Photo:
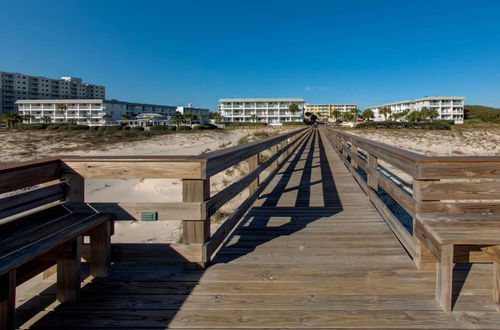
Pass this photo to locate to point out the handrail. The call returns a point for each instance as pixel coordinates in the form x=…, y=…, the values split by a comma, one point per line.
x=429, y=193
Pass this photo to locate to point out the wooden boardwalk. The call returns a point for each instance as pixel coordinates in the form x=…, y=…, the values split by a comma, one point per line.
x=312, y=252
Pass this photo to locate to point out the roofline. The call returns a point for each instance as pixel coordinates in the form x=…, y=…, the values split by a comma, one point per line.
x=27, y=101
x=261, y=99
x=425, y=98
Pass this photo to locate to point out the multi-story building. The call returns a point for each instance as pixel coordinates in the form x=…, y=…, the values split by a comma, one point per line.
x=326, y=111
x=448, y=107
x=90, y=112
x=18, y=86
x=201, y=113
x=272, y=111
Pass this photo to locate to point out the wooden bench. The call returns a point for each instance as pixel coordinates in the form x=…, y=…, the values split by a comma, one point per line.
x=52, y=235
x=447, y=236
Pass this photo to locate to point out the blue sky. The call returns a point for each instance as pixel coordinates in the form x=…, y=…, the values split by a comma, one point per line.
x=174, y=52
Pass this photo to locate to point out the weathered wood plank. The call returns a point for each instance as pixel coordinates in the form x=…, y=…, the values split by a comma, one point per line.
x=21, y=175
x=166, y=211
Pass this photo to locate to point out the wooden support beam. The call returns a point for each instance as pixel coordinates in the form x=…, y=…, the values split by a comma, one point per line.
x=444, y=278
x=372, y=177
x=253, y=163
x=274, y=150
x=76, y=191
x=354, y=151
x=100, y=250
x=7, y=300
x=195, y=231
x=68, y=272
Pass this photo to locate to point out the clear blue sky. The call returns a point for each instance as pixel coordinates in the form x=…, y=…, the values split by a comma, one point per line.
x=174, y=52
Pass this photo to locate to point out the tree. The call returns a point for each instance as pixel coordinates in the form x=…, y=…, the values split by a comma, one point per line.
x=368, y=114
x=336, y=114
x=414, y=116
x=293, y=109
x=355, y=114
x=62, y=107
x=348, y=116
x=106, y=117
x=190, y=117
x=217, y=117
x=385, y=111
x=254, y=118
x=125, y=117
x=28, y=117
x=10, y=118
x=46, y=119
x=177, y=119
x=427, y=113
x=400, y=115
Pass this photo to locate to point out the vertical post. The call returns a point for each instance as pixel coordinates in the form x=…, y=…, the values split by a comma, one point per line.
x=354, y=151
x=423, y=259
x=7, y=300
x=76, y=192
x=372, y=172
x=68, y=272
x=274, y=150
x=100, y=250
x=444, y=278
x=496, y=281
x=253, y=162
x=195, y=230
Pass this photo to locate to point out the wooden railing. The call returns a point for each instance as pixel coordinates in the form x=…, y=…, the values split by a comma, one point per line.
x=197, y=205
x=418, y=183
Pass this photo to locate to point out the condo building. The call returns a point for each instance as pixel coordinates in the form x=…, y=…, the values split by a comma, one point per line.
x=18, y=86
x=327, y=111
x=95, y=112
x=448, y=107
x=272, y=111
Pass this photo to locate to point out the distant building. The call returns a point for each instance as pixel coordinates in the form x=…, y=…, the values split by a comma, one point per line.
x=201, y=113
x=91, y=111
x=448, y=107
x=272, y=111
x=18, y=86
x=325, y=111
x=88, y=111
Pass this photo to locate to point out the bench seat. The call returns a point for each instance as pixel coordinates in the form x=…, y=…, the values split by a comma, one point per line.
x=446, y=234
x=33, y=243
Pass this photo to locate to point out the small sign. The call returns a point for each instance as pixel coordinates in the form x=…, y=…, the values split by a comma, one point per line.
x=149, y=216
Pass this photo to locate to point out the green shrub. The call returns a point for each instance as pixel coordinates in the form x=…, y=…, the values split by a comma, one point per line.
x=486, y=114
x=293, y=123
x=56, y=126
x=137, y=128
x=162, y=128
x=93, y=128
x=401, y=124
x=109, y=128
x=183, y=128
x=473, y=121
x=34, y=126
x=244, y=123
x=205, y=126
x=77, y=127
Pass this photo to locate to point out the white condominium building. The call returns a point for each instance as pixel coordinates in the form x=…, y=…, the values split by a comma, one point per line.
x=87, y=111
x=18, y=86
x=448, y=107
x=272, y=111
x=326, y=111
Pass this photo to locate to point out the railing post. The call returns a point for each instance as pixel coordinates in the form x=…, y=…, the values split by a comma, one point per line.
x=7, y=300
x=195, y=231
x=253, y=162
x=76, y=192
x=354, y=151
x=274, y=150
x=423, y=258
x=372, y=173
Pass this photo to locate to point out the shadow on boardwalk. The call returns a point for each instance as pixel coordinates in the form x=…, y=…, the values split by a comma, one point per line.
x=254, y=230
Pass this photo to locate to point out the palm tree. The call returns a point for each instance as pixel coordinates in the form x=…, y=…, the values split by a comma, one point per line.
x=414, y=116
x=427, y=113
x=28, y=117
x=336, y=114
x=217, y=117
x=125, y=117
x=368, y=114
x=190, y=117
x=254, y=118
x=177, y=119
x=355, y=112
x=62, y=108
x=293, y=109
x=10, y=118
x=106, y=117
x=385, y=111
x=46, y=119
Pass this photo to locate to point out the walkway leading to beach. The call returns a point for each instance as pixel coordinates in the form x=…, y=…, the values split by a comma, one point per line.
x=312, y=252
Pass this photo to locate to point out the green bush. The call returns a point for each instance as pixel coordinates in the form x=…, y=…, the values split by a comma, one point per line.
x=109, y=128
x=93, y=128
x=34, y=126
x=486, y=114
x=401, y=124
x=205, y=126
x=77, y=127
x=473, y=121
x=244, y=123
x=293, y=123
x=56, y=126
x=137, y=128
x=162, y=128
x=183, y=128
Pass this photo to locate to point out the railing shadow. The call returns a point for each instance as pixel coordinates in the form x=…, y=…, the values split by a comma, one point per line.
x=258, y=227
